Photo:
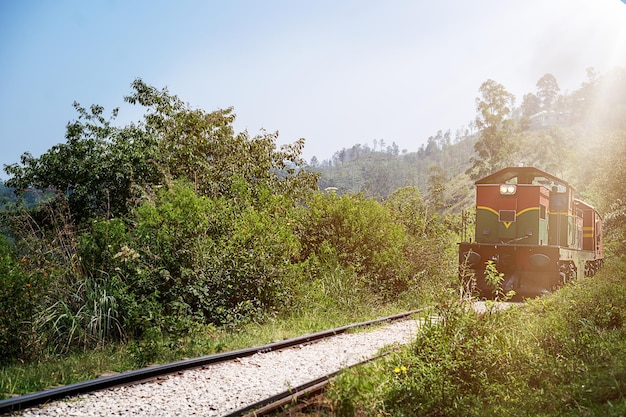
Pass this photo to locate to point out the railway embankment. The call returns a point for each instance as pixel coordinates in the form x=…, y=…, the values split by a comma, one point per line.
x=561, y=354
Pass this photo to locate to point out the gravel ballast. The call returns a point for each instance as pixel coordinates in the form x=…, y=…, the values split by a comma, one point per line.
x=227, y=387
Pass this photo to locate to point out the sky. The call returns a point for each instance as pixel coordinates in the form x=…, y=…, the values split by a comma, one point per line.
x=335, y=72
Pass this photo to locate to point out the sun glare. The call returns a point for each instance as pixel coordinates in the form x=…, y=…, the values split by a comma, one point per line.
x=611, y=22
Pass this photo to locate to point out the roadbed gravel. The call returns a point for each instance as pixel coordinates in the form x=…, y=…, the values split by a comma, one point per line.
x=224, y=388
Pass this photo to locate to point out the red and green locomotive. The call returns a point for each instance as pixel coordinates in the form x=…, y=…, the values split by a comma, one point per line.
x=532, y=228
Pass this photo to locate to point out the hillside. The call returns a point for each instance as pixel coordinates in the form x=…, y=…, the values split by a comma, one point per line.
x=377, y=173
x=567, y=139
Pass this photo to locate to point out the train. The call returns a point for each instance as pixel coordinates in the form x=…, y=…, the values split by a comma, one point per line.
x=533, y=230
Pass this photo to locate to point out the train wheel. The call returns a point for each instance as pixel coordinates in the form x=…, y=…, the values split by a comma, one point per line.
x=567, y=272
x=573, y=272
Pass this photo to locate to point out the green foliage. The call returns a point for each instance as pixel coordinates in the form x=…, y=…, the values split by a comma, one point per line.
x=80, y=308
x=610, y=188
x=203, y=148
x=438, y=181
x=50, y=371
x=408, y=208
x=495, y=279
x=21, y=291
x=102, y=169
x=495, y=146
x=79, y=305
x=429, y=245
x=213, y=260
x=360, y=233
x=96, y=169
x=86, y=317
x=326, y=286
x=144, y=352
x=558, y=355
x=118, y=266
x=378, y=174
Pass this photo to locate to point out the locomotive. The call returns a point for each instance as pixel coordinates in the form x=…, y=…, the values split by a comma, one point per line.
x=533, y=230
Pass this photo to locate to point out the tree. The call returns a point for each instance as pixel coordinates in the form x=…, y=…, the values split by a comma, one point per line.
x=97, y=169
x=531, y=104
x=101, y=168
x=437, y=180
x=609, y=185
x=547, y=91
x=496, y=129
x=203, y=148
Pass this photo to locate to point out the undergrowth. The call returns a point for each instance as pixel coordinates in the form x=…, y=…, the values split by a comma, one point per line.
x=558, y=355
x=158, y=347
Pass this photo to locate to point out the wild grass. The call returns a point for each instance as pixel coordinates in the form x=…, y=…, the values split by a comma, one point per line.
x=156, y=347
x=560, y=355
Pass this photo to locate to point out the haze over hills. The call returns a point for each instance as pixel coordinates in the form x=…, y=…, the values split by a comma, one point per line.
x=555, y=138
x=554, y=132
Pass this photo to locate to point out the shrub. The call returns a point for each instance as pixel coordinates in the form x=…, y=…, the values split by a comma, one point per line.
x=20, y=294
x=212, y=260
x=429, y=249
x=361, y=234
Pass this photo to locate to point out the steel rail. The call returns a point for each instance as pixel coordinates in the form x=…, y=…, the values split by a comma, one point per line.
x=135, y=376
x=269, y=405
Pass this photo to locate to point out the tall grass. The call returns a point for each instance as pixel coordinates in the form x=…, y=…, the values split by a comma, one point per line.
x=159, y=347
x=558, y=355
x=86, y=317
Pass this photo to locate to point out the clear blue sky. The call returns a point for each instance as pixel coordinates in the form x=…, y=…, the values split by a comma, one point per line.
x=336, y=72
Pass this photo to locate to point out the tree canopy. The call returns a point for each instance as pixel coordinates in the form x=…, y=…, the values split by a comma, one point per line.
x=102, y=168
x=496, y=128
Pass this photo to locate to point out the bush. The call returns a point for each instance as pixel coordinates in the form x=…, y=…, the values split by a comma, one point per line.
x=429, y=250
x=362, y=236
x=211, y=260
x=558, y=355
x=20, y=294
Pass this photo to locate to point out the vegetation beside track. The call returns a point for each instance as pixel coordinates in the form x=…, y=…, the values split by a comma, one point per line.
x=55, y=370
x=560, y=355
x=175, y=236
x=137, y=247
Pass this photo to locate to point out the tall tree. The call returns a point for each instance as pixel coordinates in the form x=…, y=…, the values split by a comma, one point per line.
x=547, y=91
x=202, y=147
x=531, y=104
x=496, y=127
x=437, y=181
x=97, y=169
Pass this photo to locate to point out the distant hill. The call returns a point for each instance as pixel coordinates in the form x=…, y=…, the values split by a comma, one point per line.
x=376, y=173
x=568, y=140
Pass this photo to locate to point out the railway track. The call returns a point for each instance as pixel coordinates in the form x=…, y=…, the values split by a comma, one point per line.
x=208, y=368
x=310, y=395
x=293, y=399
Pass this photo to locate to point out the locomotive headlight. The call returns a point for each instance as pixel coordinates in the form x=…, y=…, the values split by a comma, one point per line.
x=508, y=189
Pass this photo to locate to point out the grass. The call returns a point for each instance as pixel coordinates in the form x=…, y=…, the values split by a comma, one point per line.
x=54, y=370
x=561, y=355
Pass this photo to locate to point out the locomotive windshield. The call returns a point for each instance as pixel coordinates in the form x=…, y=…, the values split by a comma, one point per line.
x=526, y=175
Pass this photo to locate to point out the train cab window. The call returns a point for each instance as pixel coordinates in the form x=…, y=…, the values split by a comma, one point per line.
x=506, y=216
x=558, y=201
x=542, y=211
